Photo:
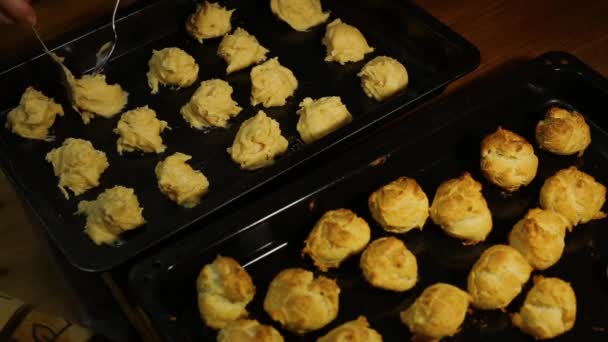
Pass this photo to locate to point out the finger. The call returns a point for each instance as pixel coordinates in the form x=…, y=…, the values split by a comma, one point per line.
x=20, y=10
x=5, y=19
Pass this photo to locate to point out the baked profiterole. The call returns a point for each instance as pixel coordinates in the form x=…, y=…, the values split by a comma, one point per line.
x=210, y=20
x=299, y=14
x=240, y=50
x=271, y=84
x=508, y=160
x=563, y=132
x=337, y=235
x=179, y=181
x=353, y=331
x=438, y=312
x=224, y=290
x=115, y=211
x=140, y=130
x=575, y=195
x=497, y=277
x=383, y=77
x=344, y=43
x=320, y=117
x=248, y=330
x=257, y=142
x=171, y=66
x=387, y=264
x=78, y=165
x=301, y=302
x=399, y=206
x=539, y=237
x=549, y=309
x=460, y=209
x=34, y=115
x=211, y=105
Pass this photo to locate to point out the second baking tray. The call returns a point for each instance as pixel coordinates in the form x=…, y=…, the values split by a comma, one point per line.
x=432, y=145
x=433, y=54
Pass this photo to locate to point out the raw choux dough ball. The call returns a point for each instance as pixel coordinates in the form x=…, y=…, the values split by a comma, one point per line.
x=140, y=130
x=344, y=43
x=34, y=115
x=210, y=20
x=438, y=312
x=337, y=235
x=508, y=160
x=271, y=84
x=460, y=209
x=549, y=309
x=78, y=165
x=387, y=264
x=258, y=142
x=171, y=66
x=115, y=211
x=399, y=206
x=353, y=331
x=383, y=77
x=240, y=50
x=94, y=96
x=224, y=290
x=539, y=237
x=211, y=105
x=178, y=181
x=320, y=117
x=301, y=302
x=248, y=330
x=497, y=277
x=575, y=195
x=563, y=132
x=299, y=14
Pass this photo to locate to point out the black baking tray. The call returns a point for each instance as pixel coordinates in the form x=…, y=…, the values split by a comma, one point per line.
x=433, y=54
x=433, y=144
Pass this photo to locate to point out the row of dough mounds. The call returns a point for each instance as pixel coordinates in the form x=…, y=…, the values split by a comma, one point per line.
x=301, y=302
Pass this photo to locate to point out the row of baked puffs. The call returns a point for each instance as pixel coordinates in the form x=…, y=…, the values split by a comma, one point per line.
x=302, y=303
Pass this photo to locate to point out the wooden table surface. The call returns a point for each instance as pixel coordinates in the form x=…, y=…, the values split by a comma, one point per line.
x=505, y=32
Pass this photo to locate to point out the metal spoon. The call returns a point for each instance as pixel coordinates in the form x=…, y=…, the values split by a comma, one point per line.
x=64, y=72
x=106, y=50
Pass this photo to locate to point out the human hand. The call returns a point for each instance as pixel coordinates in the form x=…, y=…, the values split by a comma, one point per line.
x=12, y=11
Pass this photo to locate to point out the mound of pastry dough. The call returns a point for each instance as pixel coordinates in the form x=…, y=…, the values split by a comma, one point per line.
x=337, y=235
x=248, y=330
x=210, y=20
x=258, y=142
x=549, y=309
x=178, y=181
x=171, y=66
x=115, y=211
x=320, y=117
x=299, y=14
x=497, y=277
x=300, y=302
x=224, y=290
x=563, y=132
x=34, y=115
x=508, y=160
x=399, y=206
x=140, y=130
x=460, y=209
x=387, y=264
x=438, y=312
x=539, y=237
x=383, y=77
x=357, y=330
x=271, y=84
x=240, y=50
x=78, y=165
x=344, y=43
x=575, y=195
x=211, y=105
x=94, y=96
